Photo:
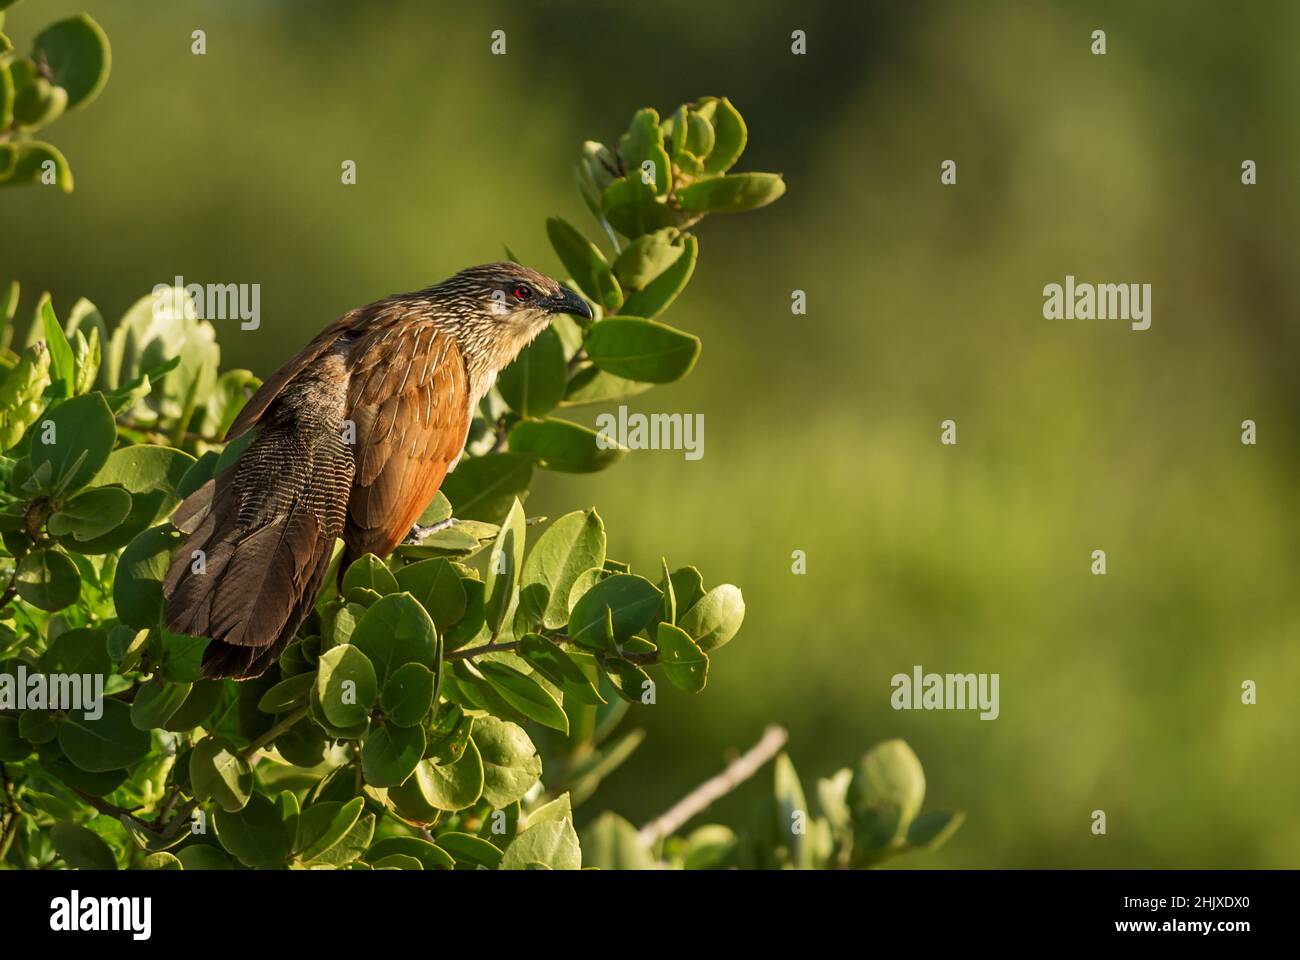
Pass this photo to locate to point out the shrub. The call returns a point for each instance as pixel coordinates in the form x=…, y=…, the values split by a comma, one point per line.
x=448, y=707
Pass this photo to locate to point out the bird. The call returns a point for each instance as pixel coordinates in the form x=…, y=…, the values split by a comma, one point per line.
x=352, y=439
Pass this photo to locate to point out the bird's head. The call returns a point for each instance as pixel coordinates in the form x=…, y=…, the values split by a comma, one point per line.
x=519, y=301
x=496, y=309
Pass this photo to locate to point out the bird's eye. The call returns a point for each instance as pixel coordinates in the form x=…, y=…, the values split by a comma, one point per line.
x=523, y=292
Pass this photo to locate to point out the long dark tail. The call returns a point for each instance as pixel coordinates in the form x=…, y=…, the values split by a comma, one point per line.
x=259, y=541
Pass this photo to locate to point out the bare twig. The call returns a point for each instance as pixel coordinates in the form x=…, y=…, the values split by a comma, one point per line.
x=699, y=799
x=13, y=815
x=289, y=720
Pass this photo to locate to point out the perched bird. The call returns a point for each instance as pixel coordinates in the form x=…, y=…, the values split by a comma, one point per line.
x=354, y=436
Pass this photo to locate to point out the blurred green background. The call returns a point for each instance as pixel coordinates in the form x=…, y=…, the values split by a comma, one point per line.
x=1119, y=693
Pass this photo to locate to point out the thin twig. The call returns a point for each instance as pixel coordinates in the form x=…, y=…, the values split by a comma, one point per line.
x=13, y=816
x=699, y=799
x=281, y=727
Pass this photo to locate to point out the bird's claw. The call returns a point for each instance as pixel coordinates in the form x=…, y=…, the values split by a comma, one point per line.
x=419, y=531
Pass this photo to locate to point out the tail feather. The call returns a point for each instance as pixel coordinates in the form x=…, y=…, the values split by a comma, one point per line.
x=265, y=528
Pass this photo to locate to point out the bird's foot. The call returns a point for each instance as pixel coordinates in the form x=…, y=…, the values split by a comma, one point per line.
x=419, y=531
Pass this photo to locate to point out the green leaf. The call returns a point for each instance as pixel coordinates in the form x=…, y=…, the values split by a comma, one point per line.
x=708, y=848
x=147, y=839
x=90, y=514
x=628, y=680
x=77, y=53
x=20, y=394
x=256, y=835
x=510, y=762
x=470, y=850
x=563, y=446
x=232, y=390
x=351, y=847
x=108, y=743
x=533, y=385
x=792, y=816
x=203, y=698
x=8, y=153
x=611, y=843
x=38, y=726
x=97, y=784
x=505, y=563
x=573, y=543
x=593, y=173
x=715, y=618
x=593, y=385
x=524, y=694
x=182, y=656
x=885, y=794
x=554, y=664
x=391, y=753
x=86, y=357
x=645, y=258
x=370, y=572
x=218, y=772
x=31, y=162
x=437, y=587
x=644, y=144
x=13, y=747
x=453, y=786
x=80, y=650
x=484, y=488
x=643, y=350
x=699, y=136
x=152, y=475
x=631, y=209
x=660, y=292
x=729, y=137
x=394, y=631
x=430, y=855
x=438, y=510
x=684, y=663
x=324, y=824
x=585, y=263
x=732, y=193
x=629, y=601
x=287, y=694
x=202, y=856
x=408, y=695
x=552, y=843
x=471, y=625
x=62, y=367
x=561, y=808
x=156, y=702
x=160, y=861
x=137, y=590
x=82, y=849
x=74, y=438
x=932, y=830
x=346, y=685
x=48, y=579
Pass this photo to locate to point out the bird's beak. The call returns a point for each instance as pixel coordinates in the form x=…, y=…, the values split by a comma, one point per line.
x=566, y=301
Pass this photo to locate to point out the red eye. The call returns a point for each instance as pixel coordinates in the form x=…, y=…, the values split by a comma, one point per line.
x=523, y=292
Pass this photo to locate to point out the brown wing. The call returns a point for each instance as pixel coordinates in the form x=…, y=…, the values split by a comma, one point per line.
x=268, y=391
x=409, y=398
